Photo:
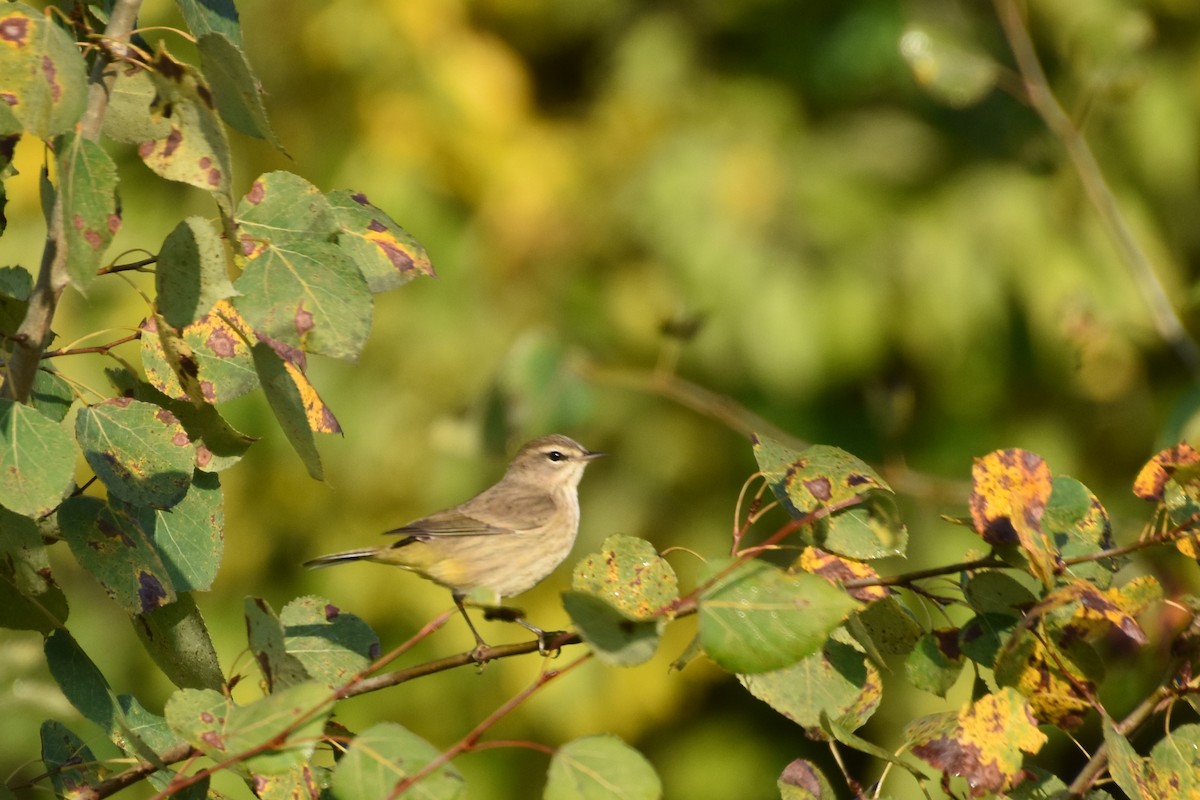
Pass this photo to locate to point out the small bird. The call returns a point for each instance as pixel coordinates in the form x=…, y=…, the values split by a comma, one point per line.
x=504, y=540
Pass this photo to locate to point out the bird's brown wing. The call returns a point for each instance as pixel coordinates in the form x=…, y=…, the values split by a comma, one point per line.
x=488, y=513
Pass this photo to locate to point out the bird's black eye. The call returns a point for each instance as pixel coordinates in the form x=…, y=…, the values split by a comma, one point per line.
x=555, y=455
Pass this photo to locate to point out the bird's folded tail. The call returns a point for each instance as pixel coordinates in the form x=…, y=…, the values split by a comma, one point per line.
x=338, y=558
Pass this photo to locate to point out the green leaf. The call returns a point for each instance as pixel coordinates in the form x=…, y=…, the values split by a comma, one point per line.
x=821, y=476
x=993, y=591
x=211, y=16
x=1124, y=764
x=309, y=295
x=1173, y=768
x=128, y=118
x=37, y=460
x=29, y=598
x=117, y=551
x=189, y=143
x=239, y=96
x=1079, y=526
x=936, y=662
x=88, y=188
x=43, y=77
x=177, y=639
x=630, y=575
x=303, y=781
x=279, y=668
x=188, y=537
x=803, y=780
x=190, y=276
x=387, y=255
x=51, y=395
x=139, y=450
x=382, y=756
x=759, y=618
x=838, y=682
x=601, y=768
x=615, y=637
x=283, y=728
x=87, y=690
x=333, y=645
x=70, y=763
x=983, y=635
x=219, y=362
x=296, y=404
x=282, y=208
x=889, y=625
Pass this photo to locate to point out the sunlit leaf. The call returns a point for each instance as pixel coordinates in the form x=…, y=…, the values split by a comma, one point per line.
x=297, y=406
x=37, y=460
x=630, y=575
x=332, y=645
x=821, y=476
x=190, y=275
x=994, y=591
x=1010, y=489
x=837, y=570
x=282, y=729
x=983, y=742
x=88, y=190
x=51, y=395
x=1173, y=768
x=139, y=450
x=307, y=294
x=758, y=618
x=1058, y=681
x=1154, y=475
x=211, y=16
x=221, y=367
x=600, y=768
x=838, y=682
x=1124, y=764
x=282, y=208
x=237, y=90
x=1079, y=526
x=387, y=255
x=382, y=756
x=279, y=668
x=118, y=552
x=43, y=78
x=189, y=143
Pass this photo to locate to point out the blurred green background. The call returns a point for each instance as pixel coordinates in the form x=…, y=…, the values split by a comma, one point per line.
x=908, y=272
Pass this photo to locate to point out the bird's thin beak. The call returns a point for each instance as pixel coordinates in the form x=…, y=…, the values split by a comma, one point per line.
x=593, y=456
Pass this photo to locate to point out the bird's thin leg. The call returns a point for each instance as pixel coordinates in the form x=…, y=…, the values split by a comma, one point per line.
x=510, y=614
x=479, y=642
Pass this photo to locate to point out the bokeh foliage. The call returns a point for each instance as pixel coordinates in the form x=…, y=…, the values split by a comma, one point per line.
x=874, y=246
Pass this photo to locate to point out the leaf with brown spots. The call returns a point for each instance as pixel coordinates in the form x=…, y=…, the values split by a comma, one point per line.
x=43, y=77
x=189, y=143
x=837, y=570
x=37, y=460
x=222, y=367
x=936, y=662
x=118, y=552
x=264, y=632
x=332, y=644
x=88, y=191
x=139, y=450
x=1008, y=498
x=630, y=575
x=837, y=682
x=1153, y=477
x=387, y=255
x=282, y=729
x=70, y=764
x=1057, y=676
x=296, y=405
x=307, y=294
x=983, y=742
x=821, y=476
x=803, y=780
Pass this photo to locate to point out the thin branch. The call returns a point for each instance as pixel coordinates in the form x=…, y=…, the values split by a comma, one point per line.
x=1042, y=98
x=34, y=332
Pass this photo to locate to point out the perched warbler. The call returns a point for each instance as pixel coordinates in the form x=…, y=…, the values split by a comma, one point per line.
x=502, y=541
